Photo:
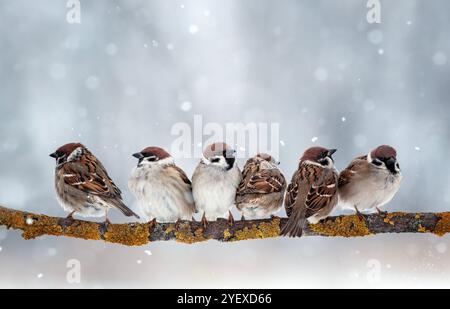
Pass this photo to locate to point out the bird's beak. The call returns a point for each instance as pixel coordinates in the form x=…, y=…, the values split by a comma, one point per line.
x=138, y=155
x=278, y=163
x=53, y=155
x=331, y=152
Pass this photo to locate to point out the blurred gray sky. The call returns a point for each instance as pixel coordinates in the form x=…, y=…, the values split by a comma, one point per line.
x=120, y=80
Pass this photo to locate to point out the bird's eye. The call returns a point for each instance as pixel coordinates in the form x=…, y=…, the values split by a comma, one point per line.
x=377, y=162
x=397, y=165
x=215, y=160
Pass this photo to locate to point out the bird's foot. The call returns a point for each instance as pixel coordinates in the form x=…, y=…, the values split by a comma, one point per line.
x=66, y=222
x=177, y=224
x=361, y=216
x=152, y=224
x=106, y=224
x=204, y=222
x=381, y=213
x=230, y=219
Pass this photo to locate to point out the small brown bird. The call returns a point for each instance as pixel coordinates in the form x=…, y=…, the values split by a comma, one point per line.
x=83, y=185
x=215, y=182
x=262, y=188
x=312, y=193
x=370, y=181
x=162, y=189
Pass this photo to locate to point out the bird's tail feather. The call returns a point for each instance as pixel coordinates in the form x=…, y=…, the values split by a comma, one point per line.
x=125, y=210
x=294, y=226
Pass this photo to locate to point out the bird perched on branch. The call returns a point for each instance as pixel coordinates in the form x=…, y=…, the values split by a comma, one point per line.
x=83, y=186
x=215, y=181
x=312, y=193
x=162, y=189
x=262, y=188
x=370, y=181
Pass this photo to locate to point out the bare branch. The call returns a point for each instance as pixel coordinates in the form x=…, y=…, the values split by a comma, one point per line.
x=137, y=234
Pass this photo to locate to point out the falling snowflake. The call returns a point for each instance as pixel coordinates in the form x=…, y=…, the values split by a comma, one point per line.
x=314, y=139
x=170, y=46
x=343, y=119
x=409, y=23
x=155, y=43
x=29, y=221
x=111, y=49
x=207, y=13
x=92, y=82
x=282, y=143
x=148, y=252
x=186, y=106
x=1, y=249
x=139, y=261
x=417, y=148
x=321, y=74
x=40, y=276
x=193, y=29
x=381, y=51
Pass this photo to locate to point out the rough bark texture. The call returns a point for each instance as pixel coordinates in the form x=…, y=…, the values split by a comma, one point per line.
x=137, y=234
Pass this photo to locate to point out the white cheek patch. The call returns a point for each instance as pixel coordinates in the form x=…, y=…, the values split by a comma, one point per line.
x=75, y=155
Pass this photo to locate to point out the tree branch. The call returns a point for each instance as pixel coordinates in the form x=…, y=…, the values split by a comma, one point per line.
x=137, y=234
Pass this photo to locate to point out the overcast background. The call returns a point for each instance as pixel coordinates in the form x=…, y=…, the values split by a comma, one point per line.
x=120, y=80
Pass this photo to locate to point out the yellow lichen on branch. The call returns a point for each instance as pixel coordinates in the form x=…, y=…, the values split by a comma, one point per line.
x=189, y=232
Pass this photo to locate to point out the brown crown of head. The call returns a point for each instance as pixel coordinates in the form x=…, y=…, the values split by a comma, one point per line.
x=314, y=154
x=384, y=151
x=67, y=149
x=217, y=149
x=157, y=152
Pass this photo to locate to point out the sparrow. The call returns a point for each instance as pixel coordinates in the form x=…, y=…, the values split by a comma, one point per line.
x=162, y=189
x=262, y=188
x=215, y=181
x=312, y=193
x=370, y=181
x=83, y=186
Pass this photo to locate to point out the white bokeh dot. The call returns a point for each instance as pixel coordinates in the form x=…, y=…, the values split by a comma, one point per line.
x=193, y=29
x=186, y=106
x=92, y=82
x=111, y=49
x=321, y=74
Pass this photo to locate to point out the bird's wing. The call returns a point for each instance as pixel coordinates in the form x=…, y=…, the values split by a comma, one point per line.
x=352, y=170
x=321, y=191
x=179, y=174
x=291, y=194
x=89, y=175
x=262, y=182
